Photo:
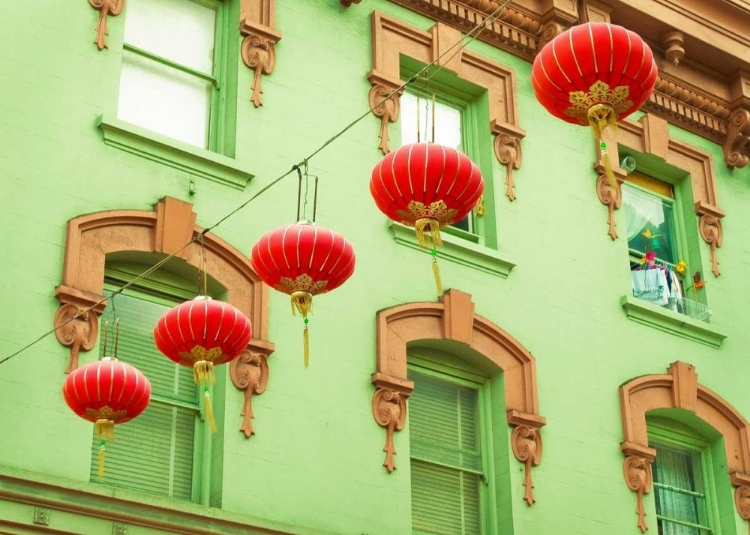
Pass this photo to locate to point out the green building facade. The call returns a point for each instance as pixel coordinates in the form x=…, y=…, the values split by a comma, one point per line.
x=556, y=387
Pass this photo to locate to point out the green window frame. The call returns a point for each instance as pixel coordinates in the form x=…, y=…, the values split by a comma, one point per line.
x=167, y=449
x=218, y=138
x=450, y=453
x=683, y=480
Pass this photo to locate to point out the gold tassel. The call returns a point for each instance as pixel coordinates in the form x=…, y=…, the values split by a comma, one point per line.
x=600, y=117
x=100, y=471
x=436, y=273
x=306, y=344
x=302, y=303
x=209, y=410
x=105, y=429
x=425, y=224
x=203, y=373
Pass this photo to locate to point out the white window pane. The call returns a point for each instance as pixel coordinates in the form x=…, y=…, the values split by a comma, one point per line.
x=447, y=121
x=164, y=100
x=179, y=30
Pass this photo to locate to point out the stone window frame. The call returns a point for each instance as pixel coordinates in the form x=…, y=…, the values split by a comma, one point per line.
x=453, y=318
x=165, y=230
x=679, y=389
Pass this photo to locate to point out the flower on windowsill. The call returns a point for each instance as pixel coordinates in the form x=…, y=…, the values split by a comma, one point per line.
x=681, y=267
x=649, y=259
x=697, y=281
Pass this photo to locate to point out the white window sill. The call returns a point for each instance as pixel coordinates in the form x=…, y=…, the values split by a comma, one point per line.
x=672, y=322
x=459, y=251
x=156, y=147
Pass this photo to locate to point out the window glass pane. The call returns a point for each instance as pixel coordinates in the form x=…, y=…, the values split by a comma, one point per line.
x=179, y=30
x=649, y=221
x=164, y=100
x=674, y=482
x=447, y=122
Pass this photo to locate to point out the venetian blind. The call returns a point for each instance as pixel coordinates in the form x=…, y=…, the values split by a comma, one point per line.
x=154, y=452
x=445, y=457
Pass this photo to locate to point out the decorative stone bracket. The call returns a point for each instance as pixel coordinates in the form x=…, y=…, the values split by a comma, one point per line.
x=392, y=38
x=257, y=20
x=737, y=145
x=650, y=136
x=453, y=319
x=90, y=238
x=679, y=389
x=106, y=8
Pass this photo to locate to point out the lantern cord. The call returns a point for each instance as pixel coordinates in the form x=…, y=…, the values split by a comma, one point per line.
x=117, y=335
x=299, y=191
x=307, y=189
x=470, y=36
x=436, y=272
x=433, y=117
x=315, y=199
x=105, y=335
x=418, y=117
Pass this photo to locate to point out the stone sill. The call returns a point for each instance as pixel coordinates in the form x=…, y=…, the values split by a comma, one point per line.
x=459, y=251
x=156, y=147
x=671, y=322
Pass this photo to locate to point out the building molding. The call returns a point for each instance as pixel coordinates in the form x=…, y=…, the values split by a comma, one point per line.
x=165, y=230
x=258, y=49
x=679, y=389
x=650, y=135
x=392, y=38
x=453, y=318
x=105, y=8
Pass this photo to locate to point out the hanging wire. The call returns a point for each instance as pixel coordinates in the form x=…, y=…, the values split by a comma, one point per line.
x=461, y=43
x=307, y=187
x=105, y=335
x=117, y=336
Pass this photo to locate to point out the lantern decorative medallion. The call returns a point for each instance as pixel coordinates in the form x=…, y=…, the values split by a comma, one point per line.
x=593, y=75
x=201, y=334
x=426, y=186
x=107, y=392
x=303, y=260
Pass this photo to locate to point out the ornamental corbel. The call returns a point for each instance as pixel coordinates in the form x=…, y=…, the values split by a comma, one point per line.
x=259, y=54
x=389, y=410
x=384, y=108
x=106, y=8
x=737, y=144
x=76, y=321
x=526, y=443
x=711, y=231
x=611, y=197
x=249, y=372
x=638, y=476
x=508, y=152
x=741, y=482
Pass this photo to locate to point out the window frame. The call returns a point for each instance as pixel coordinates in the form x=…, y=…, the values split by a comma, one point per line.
x=166, y=290
x=217, y=107
x=464, y=377
x=668, y=434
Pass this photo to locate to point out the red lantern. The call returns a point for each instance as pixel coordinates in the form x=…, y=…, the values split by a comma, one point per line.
x=107, y=392
x=426, y=186
x=303, y=260
x=593, y=75
x=200, y=334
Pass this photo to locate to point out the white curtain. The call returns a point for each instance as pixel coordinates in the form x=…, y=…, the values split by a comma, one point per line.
x=675, y=469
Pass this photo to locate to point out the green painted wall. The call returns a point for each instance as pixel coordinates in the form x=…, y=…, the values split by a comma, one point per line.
x=314, y=465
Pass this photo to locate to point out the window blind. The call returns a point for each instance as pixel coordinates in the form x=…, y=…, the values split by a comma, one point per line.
x=154, y=452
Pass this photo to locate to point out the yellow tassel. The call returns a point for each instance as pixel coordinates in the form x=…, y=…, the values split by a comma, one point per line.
x=208, y=406
x=302, y=303
x=203, y=373
x=600, y=117
x=608, y=166
x=100, y=471
x=436, y=273
x=105, y=429
x=306, y=344
x=425, y=224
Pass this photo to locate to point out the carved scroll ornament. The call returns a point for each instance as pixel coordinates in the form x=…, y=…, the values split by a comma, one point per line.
x=249, y=372
x=508, y=152
x=259, y=54
x=612, y=198
x=638, y=476
x=527, y=447
x=737, y=144
x=76, y=330
x=386, y=110
x=389, y=410
x=106, y=8
x=712, y=234
x=742, y=501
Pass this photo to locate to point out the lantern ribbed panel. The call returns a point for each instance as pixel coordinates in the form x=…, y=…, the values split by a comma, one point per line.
x=107, y=389
x=577, y=59
x=203, y=329
x=426, y=180
x=303, y=257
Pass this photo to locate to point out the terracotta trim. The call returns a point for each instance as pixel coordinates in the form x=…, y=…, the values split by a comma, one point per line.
x=90, y=238
x=392, y=38
x=453, y=318
x=257, y=24
x=106, y=8
x=679, y=389
x=650, y=136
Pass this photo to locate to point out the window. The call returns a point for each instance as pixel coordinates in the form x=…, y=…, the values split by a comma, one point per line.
x=447, y=471
x=683, y=482
x=161, y=451
x=169, y=82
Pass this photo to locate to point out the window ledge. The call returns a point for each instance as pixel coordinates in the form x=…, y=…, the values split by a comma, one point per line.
x=156, y=147
x=459, y=251
x=671, y=322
